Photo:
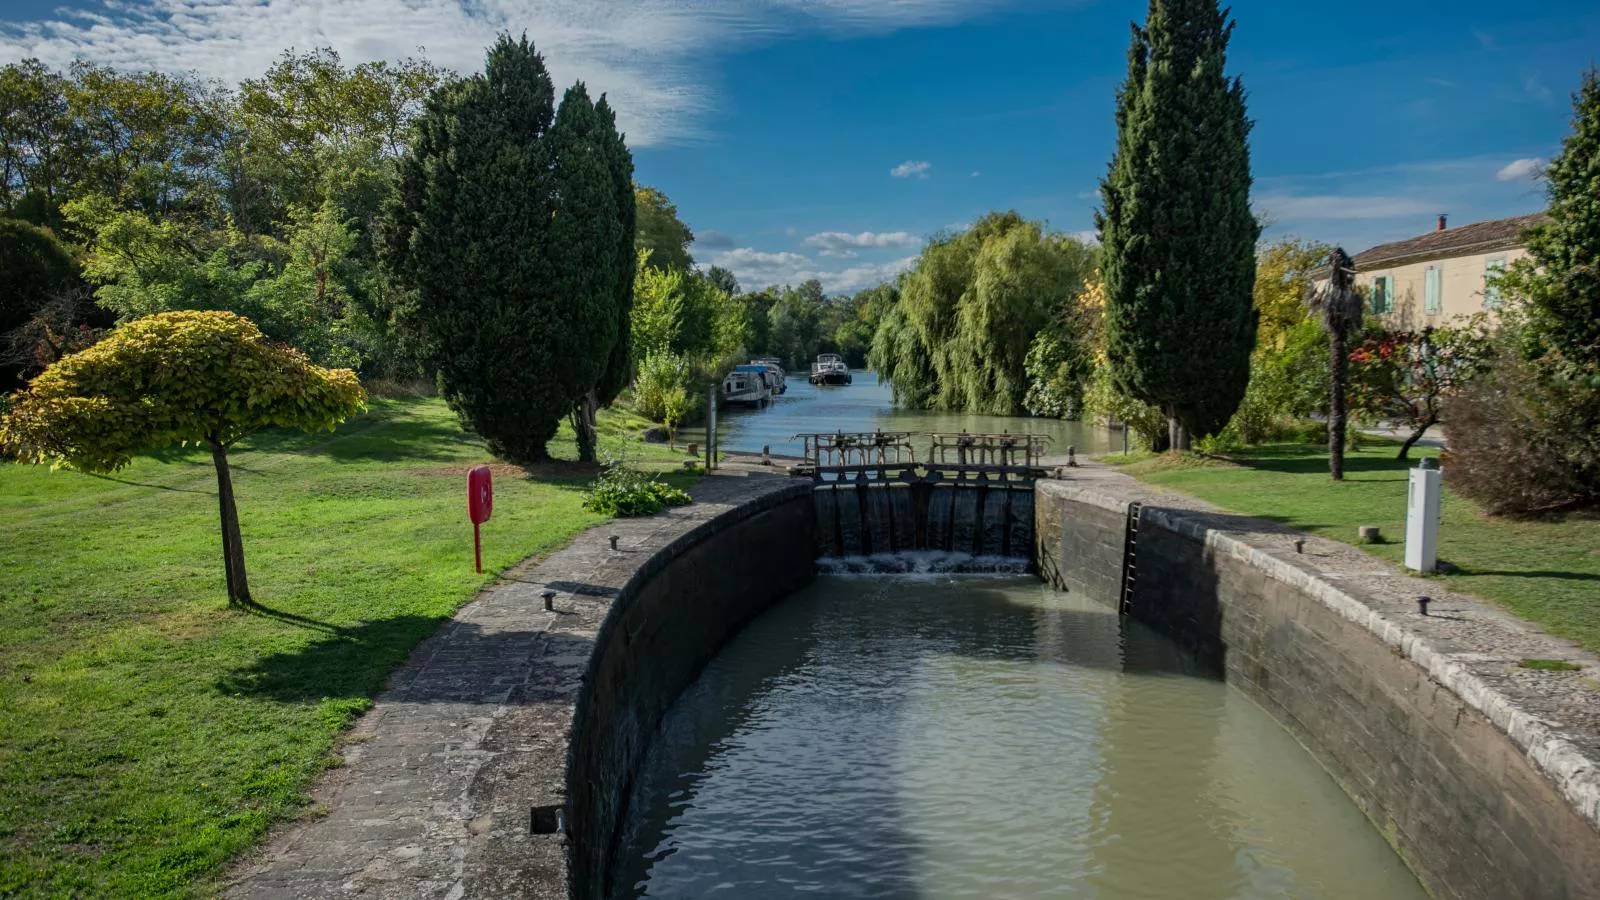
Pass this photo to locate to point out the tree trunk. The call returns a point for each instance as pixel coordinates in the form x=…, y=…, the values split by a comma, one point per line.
x=1177, y=435
x=584, y=428
x=1338, y=362
x=232, y=542
x=1405, y=449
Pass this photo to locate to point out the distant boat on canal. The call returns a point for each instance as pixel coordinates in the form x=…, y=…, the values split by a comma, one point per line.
x=778, y=377
x=830, y=369
x=752, y=384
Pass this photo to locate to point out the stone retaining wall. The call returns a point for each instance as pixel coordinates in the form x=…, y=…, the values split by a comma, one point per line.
x=453, y=783
x=666, y=624
x=1481, y=777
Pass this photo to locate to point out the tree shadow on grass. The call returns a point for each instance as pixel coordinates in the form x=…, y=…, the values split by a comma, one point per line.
x=387, y=440
x=349, y=662
x=459, y=664
x=1294, y=523
x=267, y=612
x=147, y=484
x=1529, y=573
x=1317, y=463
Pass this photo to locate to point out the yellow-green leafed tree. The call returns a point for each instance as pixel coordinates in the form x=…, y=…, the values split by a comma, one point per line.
x=177, y=377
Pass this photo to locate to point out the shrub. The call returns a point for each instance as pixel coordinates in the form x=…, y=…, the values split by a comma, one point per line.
x=1527, y=441
x=662, y=376
x=621, y=491
x=1522, y=444
x=1104, y=400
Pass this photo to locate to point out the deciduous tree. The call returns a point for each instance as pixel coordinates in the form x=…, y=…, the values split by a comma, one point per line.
x=660, y=231
x=975, y=302
x=192, y=377
x=1406, y=376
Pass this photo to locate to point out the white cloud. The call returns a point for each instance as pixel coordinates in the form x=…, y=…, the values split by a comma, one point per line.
x=840, y=243
x=711, y=239
x=1331, y=206
x=647, y=55
x=1089, y=236
x=756, y=269
x=911, y=167
x=974, y=174
x=1516, y=170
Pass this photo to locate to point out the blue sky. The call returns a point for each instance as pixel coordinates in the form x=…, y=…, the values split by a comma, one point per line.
x=828, y=138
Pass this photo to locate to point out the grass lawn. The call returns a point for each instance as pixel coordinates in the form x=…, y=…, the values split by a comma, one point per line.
x=147, y=731
x=1546, y=571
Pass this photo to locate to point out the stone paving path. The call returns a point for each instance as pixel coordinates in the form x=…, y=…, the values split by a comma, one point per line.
x=441, y=775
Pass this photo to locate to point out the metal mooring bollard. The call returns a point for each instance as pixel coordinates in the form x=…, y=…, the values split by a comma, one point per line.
x=549, y=598
x=1072, y=456
x=1422, y=605
x=1299, y=545
x=613, y=542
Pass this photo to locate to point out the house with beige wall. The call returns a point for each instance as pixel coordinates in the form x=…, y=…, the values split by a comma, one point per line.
x=1442, y=275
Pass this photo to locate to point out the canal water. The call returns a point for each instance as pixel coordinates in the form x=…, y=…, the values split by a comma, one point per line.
x=868, y=405
x=943, y=736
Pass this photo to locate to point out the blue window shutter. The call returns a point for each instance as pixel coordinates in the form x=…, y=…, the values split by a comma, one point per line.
x=1491, y=291
x=1433, y=290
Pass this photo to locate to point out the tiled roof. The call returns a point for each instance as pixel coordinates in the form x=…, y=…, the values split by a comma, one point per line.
x=1479, y=237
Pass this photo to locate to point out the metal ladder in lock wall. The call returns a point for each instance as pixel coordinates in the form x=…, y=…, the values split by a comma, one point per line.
x=1130, y=558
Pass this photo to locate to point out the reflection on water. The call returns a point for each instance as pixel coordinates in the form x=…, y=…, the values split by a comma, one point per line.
x=981, y=737
x=867, y=405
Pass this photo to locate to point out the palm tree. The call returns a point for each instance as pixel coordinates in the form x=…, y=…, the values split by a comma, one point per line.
x=1340, y=306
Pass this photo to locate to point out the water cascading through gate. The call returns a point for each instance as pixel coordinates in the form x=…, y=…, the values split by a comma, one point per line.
x=971, y=495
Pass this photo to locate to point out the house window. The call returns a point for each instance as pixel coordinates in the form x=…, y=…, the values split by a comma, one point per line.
x=1491, y=288
x=1433, y=291
x=1382, y=299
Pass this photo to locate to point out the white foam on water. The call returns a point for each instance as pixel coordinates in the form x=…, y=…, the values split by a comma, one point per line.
x=922, y=562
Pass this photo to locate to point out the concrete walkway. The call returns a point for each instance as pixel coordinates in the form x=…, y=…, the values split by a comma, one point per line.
x=1434, y=438
x=441, y=776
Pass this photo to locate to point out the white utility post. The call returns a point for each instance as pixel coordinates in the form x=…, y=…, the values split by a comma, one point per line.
x=1422, y=518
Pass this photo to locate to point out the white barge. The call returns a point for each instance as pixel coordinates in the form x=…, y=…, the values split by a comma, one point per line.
x=830, y=368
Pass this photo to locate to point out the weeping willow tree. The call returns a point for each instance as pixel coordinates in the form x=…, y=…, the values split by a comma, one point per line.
x=958, y=338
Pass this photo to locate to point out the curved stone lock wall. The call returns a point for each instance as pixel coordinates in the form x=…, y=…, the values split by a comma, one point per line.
x=1481, y=799
x=676, y=611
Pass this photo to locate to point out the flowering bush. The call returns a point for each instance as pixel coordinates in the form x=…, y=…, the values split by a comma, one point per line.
x=1405, y=376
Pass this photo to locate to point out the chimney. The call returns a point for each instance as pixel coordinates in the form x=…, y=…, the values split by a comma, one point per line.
x=1441, y=222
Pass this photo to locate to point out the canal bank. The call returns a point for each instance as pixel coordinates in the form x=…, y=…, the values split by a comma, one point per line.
x=452, y=785
x=1483, y=775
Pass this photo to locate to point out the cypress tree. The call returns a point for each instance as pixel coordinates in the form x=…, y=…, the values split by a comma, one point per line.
x=619, y=366
x=1177, y=230
x=585, y=250
x=499, y=221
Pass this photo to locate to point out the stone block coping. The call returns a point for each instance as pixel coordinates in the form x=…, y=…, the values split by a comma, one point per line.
x=1465, y=644
x=441, y=776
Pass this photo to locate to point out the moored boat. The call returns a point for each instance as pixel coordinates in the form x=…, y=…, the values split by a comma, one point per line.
x=778, y=379
x=830, y=368
x=748, y=384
